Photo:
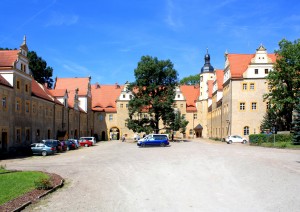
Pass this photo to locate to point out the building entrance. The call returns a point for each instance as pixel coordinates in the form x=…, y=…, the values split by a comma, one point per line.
x=114, y=133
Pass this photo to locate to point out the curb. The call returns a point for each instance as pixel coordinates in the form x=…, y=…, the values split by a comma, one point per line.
x=22, y=207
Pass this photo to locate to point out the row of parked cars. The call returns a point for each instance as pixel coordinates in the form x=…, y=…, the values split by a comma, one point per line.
x=51, y=146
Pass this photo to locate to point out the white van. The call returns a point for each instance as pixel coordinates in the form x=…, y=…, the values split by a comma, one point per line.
x=92, y=139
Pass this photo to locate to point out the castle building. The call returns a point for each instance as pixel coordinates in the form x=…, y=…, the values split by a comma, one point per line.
x=225, y=102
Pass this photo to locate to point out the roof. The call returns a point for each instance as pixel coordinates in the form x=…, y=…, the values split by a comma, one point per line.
x=40, y=91
x=191, y=94
x=239, y=63
x=8, y=57
x=72, y=84
x=58, y=92
x=104, y=97
x=3, y=81
x=219, y=78
x=198, y=127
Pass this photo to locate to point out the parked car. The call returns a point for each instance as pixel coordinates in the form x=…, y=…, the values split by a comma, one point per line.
x=92, y=139
x=235, y=139
x=86, y=143
x=76, y=142
x=53, y=143
x=70, y=145
x=154, y=140
x=63, y=146
x=42, y=149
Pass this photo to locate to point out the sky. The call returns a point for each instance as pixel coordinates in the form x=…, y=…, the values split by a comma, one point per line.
x=106, y=39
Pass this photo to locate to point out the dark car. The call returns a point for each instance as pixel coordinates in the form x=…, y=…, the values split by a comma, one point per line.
x=53, y=143
x=154, y=140
x=70, y=145
x=75, y=141
x=42, y=149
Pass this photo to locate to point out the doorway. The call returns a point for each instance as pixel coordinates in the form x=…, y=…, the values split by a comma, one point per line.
x=114, y=133
x=4, y=141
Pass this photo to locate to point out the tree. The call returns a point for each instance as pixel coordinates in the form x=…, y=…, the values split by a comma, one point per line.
x=40, y=71
x=296, y=123
x=153, y=94
x=179, y=123
x=284, y=81
x=190, y=80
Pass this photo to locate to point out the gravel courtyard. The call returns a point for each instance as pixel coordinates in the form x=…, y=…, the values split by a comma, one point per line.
x=199, y=175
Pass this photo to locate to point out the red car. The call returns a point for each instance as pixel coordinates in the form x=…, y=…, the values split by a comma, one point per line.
x=86, y=143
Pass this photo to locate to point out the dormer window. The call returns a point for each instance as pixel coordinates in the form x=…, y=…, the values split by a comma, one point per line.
x=178, y=96
x=256, y=71
x=266, y=71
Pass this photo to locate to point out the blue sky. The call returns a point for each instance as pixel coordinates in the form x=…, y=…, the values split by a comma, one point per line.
x=106, y=39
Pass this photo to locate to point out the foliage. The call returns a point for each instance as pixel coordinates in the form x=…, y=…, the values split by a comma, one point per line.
x=284, y=81
x=43, y=184
x=266, y=138
x=296, y=125
x=15, y=184
x=190, y=80
x=40, y=71
x=153, y=94
x=179, y=123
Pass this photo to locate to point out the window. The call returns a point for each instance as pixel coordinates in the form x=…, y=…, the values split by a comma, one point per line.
x=4, y=102
x=252, y=86
x=110, y=117
x=266, y=71
x=195, y=116
x=256, y=71
x=18, y=84
x=18, y=135
x=244, y=86
x=27, y=135
x=191, y=132
x=18, y=105
x=246, y=130
x=253, y=105
x=123, y=96
x=27, y=105
x=178, y=96
x=242, y=106
x=26, y=88
x=121, y=105
x=181, y=105
x=126, y=105
x=268, y=105
x=201, y=79
x=130, y=96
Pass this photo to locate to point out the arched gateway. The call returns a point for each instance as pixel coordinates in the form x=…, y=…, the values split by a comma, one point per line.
x=114, y=133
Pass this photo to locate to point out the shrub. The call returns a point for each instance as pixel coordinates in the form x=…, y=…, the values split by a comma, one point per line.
x=43, y=184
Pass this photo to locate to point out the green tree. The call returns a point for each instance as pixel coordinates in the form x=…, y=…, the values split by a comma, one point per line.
x=296, y=125
x=40, y=71
x=190, y=80
x=153, y=93
x=284, y=81
x=179, y=123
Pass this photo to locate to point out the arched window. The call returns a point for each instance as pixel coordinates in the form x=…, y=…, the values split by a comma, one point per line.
x=246, y=130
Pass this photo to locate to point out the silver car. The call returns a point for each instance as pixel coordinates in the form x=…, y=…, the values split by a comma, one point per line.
x=235, y=139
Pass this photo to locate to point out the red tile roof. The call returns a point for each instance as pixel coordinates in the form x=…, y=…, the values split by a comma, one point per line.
x=73, y=83
x=104, y=97
x=58, y=92
x=8, y=57
x=3, y=81
x=40, y=91
x=220, y=77
x=191, y=94
x=239, y=63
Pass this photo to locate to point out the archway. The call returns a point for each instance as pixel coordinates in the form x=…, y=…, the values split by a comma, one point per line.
x=114, y=133
x=103, y=136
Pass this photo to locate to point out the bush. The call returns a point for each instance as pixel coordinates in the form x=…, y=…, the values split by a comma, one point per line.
x=269, y=138
x=43, y=184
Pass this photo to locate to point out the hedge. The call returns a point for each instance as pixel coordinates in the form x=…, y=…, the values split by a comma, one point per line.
x=268, y=138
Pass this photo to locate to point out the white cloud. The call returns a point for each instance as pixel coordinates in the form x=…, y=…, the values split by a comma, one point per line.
x=173, y=15
x=59, y=19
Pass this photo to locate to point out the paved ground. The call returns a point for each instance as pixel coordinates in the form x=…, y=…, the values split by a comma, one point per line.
x=187, y=176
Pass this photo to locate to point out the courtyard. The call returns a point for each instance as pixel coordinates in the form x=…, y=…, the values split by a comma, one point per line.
x=197, y=175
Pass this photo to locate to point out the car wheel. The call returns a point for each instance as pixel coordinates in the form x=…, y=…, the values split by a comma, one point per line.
x=68, y=148
x=44, y=153
x=143, y=145
x=86, y=145
x=230, y=142
x=244, y=141
x=162, y=144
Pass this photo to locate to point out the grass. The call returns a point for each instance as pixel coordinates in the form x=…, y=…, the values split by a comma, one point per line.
x=15, y=184
x=283, y=145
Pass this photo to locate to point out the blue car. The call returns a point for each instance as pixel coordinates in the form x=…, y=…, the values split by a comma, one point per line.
x=154, y=140
x=42, y=149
